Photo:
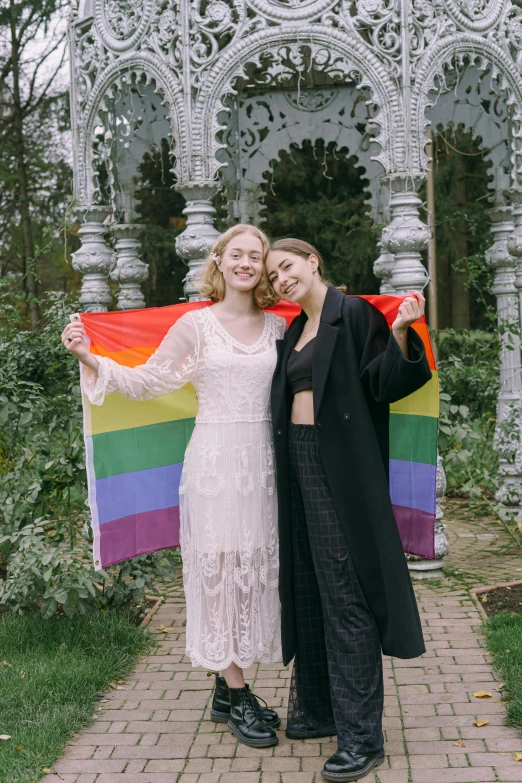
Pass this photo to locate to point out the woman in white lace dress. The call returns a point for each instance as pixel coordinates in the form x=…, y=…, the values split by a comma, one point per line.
x=228, y=503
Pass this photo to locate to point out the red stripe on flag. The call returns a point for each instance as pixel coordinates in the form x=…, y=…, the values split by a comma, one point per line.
x=124, y=330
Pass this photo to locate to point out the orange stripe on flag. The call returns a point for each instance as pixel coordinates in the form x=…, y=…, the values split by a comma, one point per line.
x=131, y=357
x=423, y=332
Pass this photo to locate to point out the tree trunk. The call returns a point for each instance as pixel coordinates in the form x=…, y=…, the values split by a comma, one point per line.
x=25, y=212
x=459, y=293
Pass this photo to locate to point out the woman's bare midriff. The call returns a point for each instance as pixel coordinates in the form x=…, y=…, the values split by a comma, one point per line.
x=303, y=408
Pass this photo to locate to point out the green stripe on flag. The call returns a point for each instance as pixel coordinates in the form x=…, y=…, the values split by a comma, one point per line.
x=413, y=438
x=140, y=448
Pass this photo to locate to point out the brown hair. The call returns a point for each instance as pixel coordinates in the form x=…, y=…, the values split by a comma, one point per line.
x=304, y=249
x=300, y=248
x=210, y=281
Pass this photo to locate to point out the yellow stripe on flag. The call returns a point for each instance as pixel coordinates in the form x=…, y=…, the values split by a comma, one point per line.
x=119, y=413
x=424, y=402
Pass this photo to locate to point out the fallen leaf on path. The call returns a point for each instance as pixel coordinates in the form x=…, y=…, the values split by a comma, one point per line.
x=482, y=695
x=480, y=723
x=116, y=686
x=499, y=687
x=46, y=770
x=5, y=736
x=517, y=756
x=459, y=743
x=163, y=628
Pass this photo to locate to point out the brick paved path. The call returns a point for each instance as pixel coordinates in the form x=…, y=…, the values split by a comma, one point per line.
x=157, y=730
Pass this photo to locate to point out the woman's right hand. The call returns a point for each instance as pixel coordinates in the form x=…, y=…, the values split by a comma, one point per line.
x=75, y=340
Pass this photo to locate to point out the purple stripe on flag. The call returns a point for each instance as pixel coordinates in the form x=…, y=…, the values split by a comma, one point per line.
x=417, y=531
x=133, y=493
x=138, y=534
x=412, y=484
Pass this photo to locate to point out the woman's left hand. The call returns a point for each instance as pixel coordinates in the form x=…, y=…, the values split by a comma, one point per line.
x=410, y=310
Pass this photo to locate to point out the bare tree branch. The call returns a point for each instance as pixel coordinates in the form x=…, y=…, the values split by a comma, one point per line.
x=27, y=108
x=25, y=26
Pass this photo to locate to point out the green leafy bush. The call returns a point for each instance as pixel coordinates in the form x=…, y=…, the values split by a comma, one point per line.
x=469, y=370
x=469, y=381
x=45, y=560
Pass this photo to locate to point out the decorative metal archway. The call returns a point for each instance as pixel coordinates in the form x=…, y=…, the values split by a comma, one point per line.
x=188, y=69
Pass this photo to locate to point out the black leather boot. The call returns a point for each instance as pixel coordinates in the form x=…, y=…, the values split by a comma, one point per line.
x=344, y=766
x=220, y=710
x=246, y=720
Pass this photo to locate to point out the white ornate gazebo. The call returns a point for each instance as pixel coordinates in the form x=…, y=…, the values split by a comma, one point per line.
x=231, y=83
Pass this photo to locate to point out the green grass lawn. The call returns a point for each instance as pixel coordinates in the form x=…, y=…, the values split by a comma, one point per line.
x=503, y=633
x=51, y=673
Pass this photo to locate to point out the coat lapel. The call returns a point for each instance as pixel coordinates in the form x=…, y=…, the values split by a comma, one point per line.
x=321, y=360
x=325, y=344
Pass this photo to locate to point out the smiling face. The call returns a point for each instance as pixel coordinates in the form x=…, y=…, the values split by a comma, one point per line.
x=241, y=262
x=291, y=275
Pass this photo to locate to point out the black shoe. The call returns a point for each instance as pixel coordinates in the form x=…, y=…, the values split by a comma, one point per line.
x=344, y=766
x=246, y=720
x=299, y=729
x=220, y=710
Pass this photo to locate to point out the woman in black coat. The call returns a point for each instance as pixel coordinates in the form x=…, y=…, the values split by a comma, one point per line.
x=344, y=584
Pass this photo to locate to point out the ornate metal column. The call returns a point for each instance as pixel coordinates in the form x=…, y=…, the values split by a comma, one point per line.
x=507, y=436
x=196, y=241
x=130, y=271
x=94, y=260
x=432, y=569
x=382, y=268
x=406, y=235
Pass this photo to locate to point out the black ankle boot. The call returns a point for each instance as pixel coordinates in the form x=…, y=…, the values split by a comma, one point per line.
x=220, y=710
x=246, y=720
x=345, y=767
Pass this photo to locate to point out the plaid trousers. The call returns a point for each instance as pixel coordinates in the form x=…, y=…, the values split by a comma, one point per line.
x=337, y=683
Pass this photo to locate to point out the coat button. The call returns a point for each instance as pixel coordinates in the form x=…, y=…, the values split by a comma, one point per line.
x=346, y=416
x=278, y=432
x=319, y=425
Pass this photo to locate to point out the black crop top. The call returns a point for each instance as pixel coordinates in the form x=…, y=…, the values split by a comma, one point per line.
x=299, y=368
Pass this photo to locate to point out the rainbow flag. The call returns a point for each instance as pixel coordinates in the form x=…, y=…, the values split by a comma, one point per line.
x=135, y=450
x=414, y=422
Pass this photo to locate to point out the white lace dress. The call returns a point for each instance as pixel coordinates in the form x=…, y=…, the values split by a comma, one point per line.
x=228, y=505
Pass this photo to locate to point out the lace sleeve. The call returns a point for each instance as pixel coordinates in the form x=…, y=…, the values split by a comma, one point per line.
x=169, y=368
x=281, y=326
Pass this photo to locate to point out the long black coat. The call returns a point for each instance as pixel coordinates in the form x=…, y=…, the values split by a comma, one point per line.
x=358, y=369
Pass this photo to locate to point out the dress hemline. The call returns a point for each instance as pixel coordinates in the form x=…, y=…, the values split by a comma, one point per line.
x=257, y=657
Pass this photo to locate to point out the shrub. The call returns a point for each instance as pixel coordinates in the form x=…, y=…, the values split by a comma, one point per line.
x=469, y=370
x=45, y=560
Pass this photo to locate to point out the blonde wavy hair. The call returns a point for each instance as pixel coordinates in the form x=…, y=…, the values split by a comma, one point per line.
x=211, y=283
